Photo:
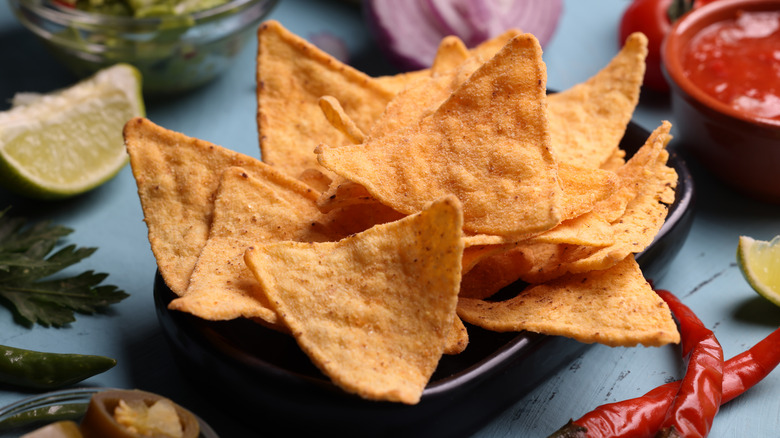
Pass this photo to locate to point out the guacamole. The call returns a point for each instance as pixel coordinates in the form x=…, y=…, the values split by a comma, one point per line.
x=143, y=8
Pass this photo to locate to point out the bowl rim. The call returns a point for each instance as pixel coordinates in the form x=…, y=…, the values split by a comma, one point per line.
x=71, y=16
x=681, y=33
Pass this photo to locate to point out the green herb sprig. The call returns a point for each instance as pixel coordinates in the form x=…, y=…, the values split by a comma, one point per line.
x=26, y=283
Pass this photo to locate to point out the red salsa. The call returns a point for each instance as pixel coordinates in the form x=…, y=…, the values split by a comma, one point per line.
x=737, y=61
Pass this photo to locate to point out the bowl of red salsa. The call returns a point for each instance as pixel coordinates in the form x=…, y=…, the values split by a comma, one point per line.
x=722, y=62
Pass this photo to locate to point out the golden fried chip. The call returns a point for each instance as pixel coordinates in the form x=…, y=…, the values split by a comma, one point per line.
x=398, y=82
x=292, y=75
x=422, y=98
x=588, y=229
x=634, y=230
x=247, y=210
x=407, y=108
x=488, y=48
x=450, y=55
x=485, y=50
x=315, y=179
x=584, y=187
x=373, y=310
x=588, y=120
x=615, y=307
x=617, y=159
x=335, y=114
x=177, y=178
x=488, y=144
x=457, y=338
x=493, y=274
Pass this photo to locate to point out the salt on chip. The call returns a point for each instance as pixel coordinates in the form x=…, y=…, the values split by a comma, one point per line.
x=177, y=178
x=292, y=75
x=588, y=120
x=615, y=307
x=373, y=310
x=488, y=144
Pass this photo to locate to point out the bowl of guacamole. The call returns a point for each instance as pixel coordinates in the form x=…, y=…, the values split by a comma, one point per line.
x=177, y=45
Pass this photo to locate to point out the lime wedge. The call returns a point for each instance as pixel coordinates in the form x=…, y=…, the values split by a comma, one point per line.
x=70, y=141
x=760, y=264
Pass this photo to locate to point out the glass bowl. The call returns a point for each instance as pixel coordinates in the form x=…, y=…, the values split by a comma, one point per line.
x=68, y=404
x=174, y=53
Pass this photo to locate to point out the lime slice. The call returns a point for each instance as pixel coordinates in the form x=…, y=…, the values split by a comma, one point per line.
x=67, y=142
x=760, y=264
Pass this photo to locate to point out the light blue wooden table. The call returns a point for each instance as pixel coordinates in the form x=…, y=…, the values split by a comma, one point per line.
x=704, y=274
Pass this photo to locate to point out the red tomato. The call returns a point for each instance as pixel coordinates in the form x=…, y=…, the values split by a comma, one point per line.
x=651, y=18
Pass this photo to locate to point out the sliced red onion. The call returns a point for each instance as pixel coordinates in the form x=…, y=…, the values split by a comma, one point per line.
x=409, y=31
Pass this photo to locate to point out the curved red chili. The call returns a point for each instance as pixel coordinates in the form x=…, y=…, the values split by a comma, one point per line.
x=642, y=416
x=701, y=389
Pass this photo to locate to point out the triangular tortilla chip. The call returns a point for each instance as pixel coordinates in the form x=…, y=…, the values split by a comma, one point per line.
x=588, y=120
x=634, y=230
x=373, y=310
x=488, y=144
x=337, y=117
x=486, y=50
x=292, y=75
x=451, y=54
x=177, y=178
x=247, y=210
x=615, y=307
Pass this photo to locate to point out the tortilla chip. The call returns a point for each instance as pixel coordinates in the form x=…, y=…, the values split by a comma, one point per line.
x=485, y=50
x=315, y=179
x=488, y=144
x=457, y=338
x=615, y=307
x=407, y=108
x=615, y=161
x=588, y=120
x=373, y=310
x=292, y=75
x=335, y=114
x=488, y=48
x=177, y=178
x=247, y=210
x=451, y=54
x=492, y=274
x=398, y=82
x=634, y=230
x=422, y=98
x=589, y=229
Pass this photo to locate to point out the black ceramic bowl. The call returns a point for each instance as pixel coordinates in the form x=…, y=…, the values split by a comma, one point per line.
x=263, y=377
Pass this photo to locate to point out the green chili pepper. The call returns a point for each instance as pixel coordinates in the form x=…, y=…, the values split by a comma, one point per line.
x=39, y=370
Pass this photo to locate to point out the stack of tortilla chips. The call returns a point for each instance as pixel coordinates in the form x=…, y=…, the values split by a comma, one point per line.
x=386, y=211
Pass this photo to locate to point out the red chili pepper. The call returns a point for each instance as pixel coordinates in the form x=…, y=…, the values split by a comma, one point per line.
x=701, y=389
x=642, y=416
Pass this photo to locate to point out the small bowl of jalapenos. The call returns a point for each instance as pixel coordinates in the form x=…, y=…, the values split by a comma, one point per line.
x=100, y=412
x=177, y=45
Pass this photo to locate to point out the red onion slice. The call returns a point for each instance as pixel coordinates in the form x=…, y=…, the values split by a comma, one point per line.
x=409, y=31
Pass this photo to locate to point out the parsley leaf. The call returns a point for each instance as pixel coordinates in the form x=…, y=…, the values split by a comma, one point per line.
x=26, y=285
